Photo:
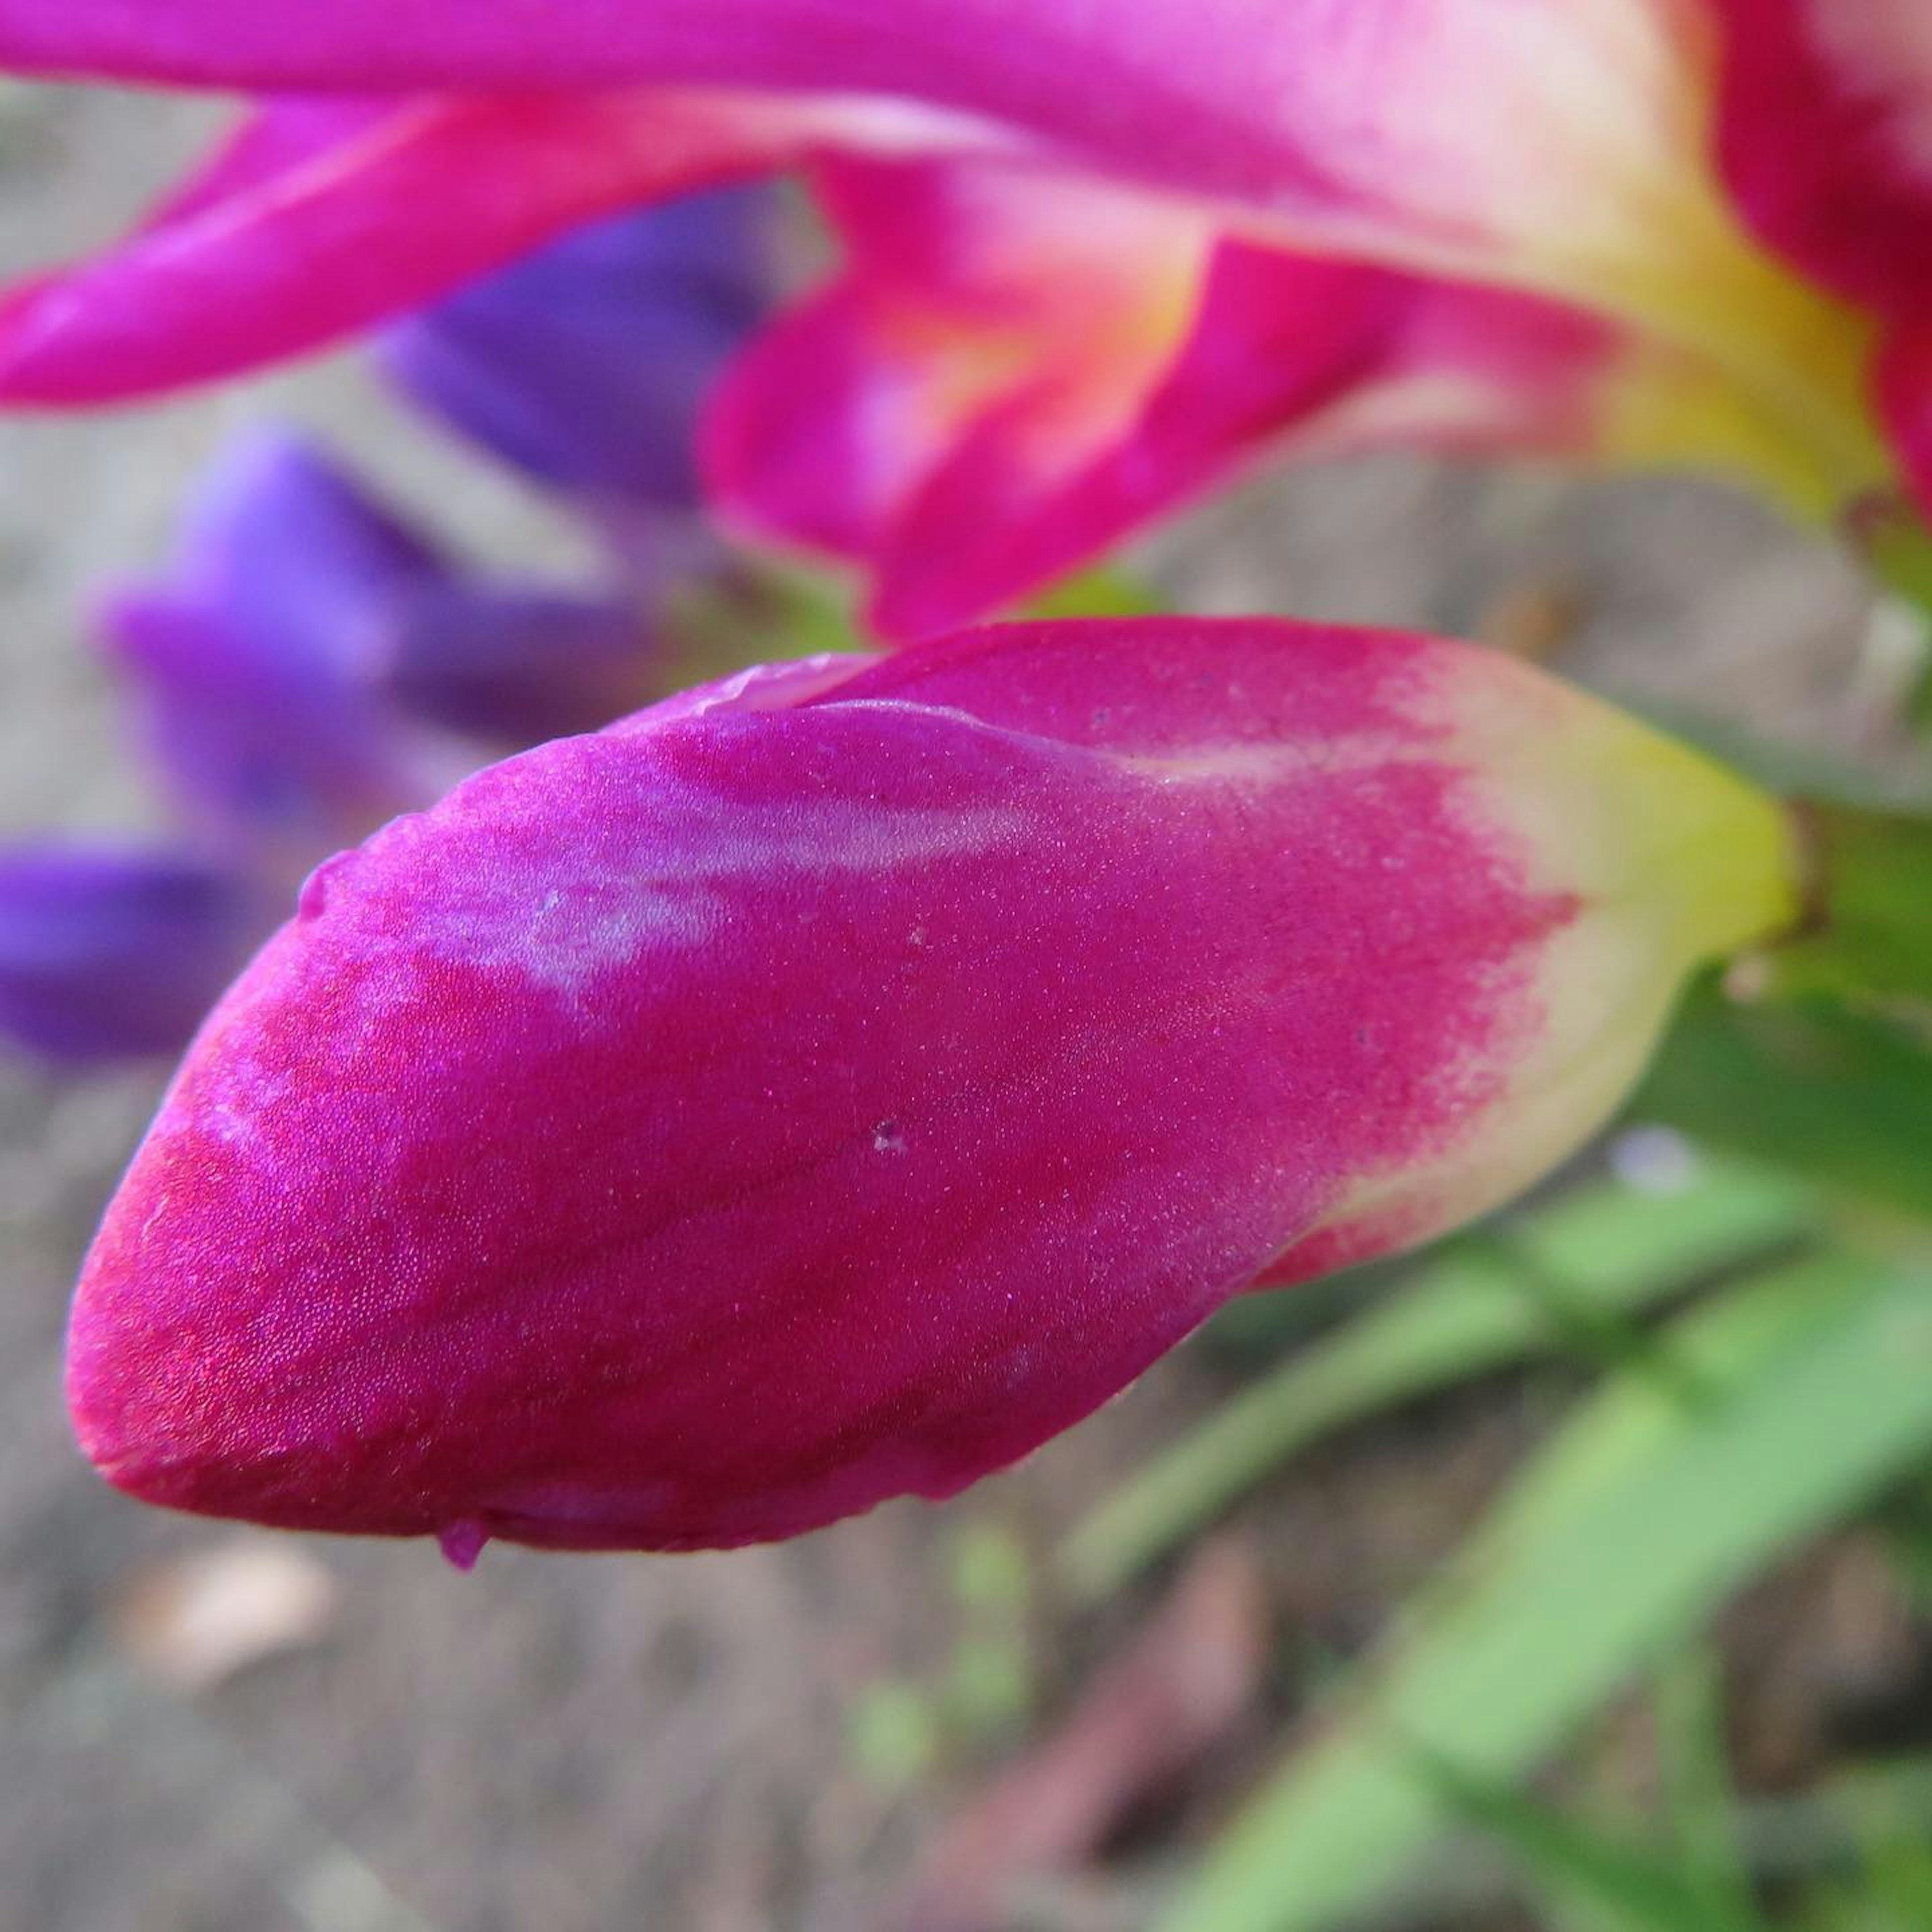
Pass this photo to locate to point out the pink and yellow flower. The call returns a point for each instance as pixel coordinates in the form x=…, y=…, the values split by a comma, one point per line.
x=1155, y=242
x=829, y=1084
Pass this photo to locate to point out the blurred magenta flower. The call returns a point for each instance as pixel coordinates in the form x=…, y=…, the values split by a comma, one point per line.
x=831, y=1083
x=322, y=215
x=114, y=953
x=1012, y=373
x=1680, y=230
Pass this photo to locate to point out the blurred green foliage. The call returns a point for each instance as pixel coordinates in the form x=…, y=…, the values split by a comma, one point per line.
x=900, y=1729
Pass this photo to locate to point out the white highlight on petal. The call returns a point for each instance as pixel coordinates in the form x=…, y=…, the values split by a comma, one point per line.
x=617, y=910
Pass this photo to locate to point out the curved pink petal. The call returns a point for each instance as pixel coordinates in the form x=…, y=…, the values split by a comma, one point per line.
x=1826, y=137
x=1826, y=144
x=816, y=434
x=830, y=1085
x=319, y=218
x=1291, y=356
x=1410, y=120
x=974, y=295
x=1560, y=151
x=1904, y=389
x=1020, y=369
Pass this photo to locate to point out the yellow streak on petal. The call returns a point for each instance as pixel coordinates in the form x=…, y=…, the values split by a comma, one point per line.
x=1586, y=172
x=1634, y=823
x=1748, y=371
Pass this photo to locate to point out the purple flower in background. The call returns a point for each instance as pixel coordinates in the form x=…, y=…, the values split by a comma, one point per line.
x=585, y=366
x=109, y=954
x=253, y=664
x=311, y=664
x=516, y=665
x=310, y=667
x=248, y=669
x=298, y=668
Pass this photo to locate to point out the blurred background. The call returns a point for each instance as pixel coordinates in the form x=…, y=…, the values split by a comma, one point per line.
x=1039, y=1706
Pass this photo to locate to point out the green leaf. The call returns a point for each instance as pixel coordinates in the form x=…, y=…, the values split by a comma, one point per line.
x=892, y=1733
x=1103, y=592
x=1891, y=1889
x=1842, y=1098
x=1897, y=547
x=1566, y=1274
x=1633, y=1524
x=1607, y=1884
x=990, y=1573
x=1694, y=1772
x=1906, y=1524
x=1872, y=938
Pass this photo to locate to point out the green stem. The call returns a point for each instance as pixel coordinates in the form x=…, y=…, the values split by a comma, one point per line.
x=1896, y=547
x=1870, y=935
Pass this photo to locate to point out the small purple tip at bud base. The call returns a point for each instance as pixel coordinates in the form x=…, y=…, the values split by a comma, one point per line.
x=462, y=1543
x=829, y=1085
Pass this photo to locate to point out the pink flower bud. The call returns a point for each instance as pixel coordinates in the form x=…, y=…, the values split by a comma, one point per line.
x=831, y=1085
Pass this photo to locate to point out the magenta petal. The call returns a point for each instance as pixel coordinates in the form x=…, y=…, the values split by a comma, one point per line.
x=1904, y=388
x=831, y=1085
x=1179, y=79
x=1409, y=117
x=818, y=433
x=949, y=416
x=1291, y=356
x=1826, y=138
x=321, y=217
x=1008, y=322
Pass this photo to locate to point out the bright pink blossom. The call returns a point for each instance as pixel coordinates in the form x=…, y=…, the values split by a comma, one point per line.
x=1655, y=230
x=831, y=1083
x=1827, y=145
x=1826, y=137
x=320, y=217
x=1015, y=370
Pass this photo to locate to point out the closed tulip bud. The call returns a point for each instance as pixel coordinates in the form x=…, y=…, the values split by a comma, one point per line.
x=828, y=1085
